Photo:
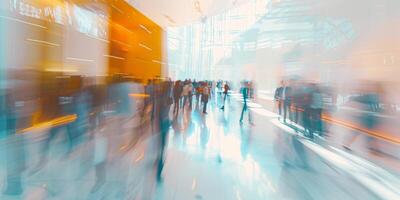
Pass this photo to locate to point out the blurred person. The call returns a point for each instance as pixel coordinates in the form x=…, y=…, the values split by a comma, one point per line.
x=177, y=92
x=187, y=93
x=164, y=124
x=298, y=100
x=213, y=88
x=67, y=101
x=316, y=110
x=15, y=148
x=219, y=87
x=119, y=95
x=191, y=90
x=148, y=103
x=205, y=96
x=226, y=91
x=252, y=90
x=307, y=113
x=100, y=159
x=197, y=92
x=99, y=98
x=287, y=101
x=278, y=97
x=366, y=102
x=245, y=90
x=151, y=91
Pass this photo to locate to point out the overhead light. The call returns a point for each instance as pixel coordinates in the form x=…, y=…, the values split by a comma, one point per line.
x=43, y=42
x=145, y=46
x=79, y=59
x=115, y=57
x=145, y=28
x=117, y=9
x=159, y=62
x=24, y=22
x=60, y=70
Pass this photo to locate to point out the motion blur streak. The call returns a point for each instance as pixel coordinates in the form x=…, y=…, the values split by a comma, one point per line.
x=55, y=122
x=199, y=99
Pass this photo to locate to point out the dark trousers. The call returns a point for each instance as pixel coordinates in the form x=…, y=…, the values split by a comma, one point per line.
x=197, y=99
x=223, y=101
x=205, y=106
x=176, y=106
x=307, y=121
x=244, y=109
x=316, y=119
x=164, y=126
x=297, y=113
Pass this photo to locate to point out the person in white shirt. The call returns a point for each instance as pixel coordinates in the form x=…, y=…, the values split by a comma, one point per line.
x=186, y=93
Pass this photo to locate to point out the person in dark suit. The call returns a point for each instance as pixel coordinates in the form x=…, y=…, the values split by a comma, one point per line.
x=287, y=101
x=245, y=90
x=278, y=97
x=177, y=92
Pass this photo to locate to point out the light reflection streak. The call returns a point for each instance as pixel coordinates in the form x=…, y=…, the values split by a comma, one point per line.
x=24, y=22
x=42, y=42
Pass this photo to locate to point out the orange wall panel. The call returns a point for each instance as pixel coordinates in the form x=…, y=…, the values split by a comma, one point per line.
x=136, y=43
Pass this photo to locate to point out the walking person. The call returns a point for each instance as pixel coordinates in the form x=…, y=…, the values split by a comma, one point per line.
x=278, y=98
x=164, y=124
x=65, y=104
x=186, y=93
x=287, y=101
x=15, y=149
x=205, y=96
x=177, y=96
x=368, y=119
x=199, y=91
x=245, y=90
x=316, y=110
x=307, y=113
x=226, y=90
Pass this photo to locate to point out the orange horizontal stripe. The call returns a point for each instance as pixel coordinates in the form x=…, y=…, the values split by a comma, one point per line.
x=139, y=95
x=380, y=135
x=54, y=122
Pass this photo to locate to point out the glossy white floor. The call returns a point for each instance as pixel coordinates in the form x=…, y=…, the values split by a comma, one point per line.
x=215, y=157
x=209, y=157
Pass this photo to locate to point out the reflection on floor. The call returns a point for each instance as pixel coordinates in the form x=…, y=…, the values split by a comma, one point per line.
x=215, y=157
x=211, y=157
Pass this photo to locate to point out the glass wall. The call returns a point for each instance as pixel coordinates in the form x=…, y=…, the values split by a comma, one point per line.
x=203, y=49
x=271, y=40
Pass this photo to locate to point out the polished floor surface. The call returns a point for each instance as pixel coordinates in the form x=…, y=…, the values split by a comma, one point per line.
x=212, y=157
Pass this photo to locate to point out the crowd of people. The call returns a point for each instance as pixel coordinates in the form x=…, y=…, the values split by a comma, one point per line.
x=308, y=105
x=183, y=92
x=301, y=103
x=82, y=109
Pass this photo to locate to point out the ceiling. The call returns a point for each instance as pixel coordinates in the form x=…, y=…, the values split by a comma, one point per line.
x=180, y=12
